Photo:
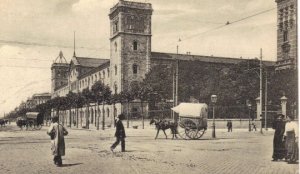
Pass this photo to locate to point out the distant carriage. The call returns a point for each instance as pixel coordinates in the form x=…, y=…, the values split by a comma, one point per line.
x=33, y=120
x=192, y=122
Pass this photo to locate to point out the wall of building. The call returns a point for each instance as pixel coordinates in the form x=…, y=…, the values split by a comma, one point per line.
x=286, y=33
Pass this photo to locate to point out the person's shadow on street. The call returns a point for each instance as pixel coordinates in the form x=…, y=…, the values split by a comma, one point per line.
x=69, y=165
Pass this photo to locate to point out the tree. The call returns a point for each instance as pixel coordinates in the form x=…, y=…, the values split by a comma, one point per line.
x=234, y=84
x=127, y=96
x=44, y=109
x=284, y=83
x=79, y=104
x=58, y=103
x=115, y=98
x=97, y=89
x=71, y=103
x=102, y=93
x=159, y=79
x=88, y=97
x=142, y=92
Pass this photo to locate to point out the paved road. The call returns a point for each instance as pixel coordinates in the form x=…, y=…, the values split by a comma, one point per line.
x=239, y=152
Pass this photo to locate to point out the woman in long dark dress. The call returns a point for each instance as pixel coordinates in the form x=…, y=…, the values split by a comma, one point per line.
x=278, y=143
x=291, y=140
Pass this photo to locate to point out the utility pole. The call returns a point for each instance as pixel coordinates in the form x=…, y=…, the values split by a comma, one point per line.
x=173, y=113
x=176, y=93
x=260, y=89
x=175, y=81
x=266, y=100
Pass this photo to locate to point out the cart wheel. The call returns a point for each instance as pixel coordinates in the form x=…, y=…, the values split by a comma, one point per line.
x=193, y=134
x=200, y=133
x=38, y=127
x=182, y=132
x=187, y=129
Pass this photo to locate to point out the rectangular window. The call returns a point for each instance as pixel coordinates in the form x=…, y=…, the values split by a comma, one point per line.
x=285, y=36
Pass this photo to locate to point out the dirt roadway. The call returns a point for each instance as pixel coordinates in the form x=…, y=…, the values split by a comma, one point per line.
x=88, y=152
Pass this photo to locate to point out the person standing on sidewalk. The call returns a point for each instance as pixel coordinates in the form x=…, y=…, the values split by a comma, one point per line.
x=57, y=132
x=120, y=133
x=229, y=126
x=291, y=141
x=278, y=143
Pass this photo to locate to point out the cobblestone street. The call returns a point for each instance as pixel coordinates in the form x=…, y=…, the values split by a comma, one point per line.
x=88, y=152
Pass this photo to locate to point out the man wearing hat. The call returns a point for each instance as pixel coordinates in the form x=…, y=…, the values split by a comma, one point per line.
x=120, y=133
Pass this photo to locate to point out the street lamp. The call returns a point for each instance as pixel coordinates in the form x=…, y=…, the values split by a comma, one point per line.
x=214, y=101
x=249, y=107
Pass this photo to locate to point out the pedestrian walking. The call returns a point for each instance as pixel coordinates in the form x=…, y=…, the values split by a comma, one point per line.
x=229, y=126
x=120, y=133
x=291, y=140
x=278, y=143
x=57, y=132
x=254, y=126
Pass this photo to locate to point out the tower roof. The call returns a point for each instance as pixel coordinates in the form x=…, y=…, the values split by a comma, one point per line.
x=130, y=4
x=60, y=58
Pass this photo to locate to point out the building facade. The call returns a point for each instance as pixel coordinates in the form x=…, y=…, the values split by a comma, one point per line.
x=37, y=99
x=130, y=59
x=286, y=34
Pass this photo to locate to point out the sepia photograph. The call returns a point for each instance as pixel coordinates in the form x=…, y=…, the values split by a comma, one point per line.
x=149, y=87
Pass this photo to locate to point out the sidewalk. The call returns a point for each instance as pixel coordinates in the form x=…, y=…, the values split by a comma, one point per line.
x=237, y=152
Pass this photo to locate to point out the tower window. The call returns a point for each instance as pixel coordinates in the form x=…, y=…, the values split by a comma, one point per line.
x=107, y=111
x=115, y=26
x=135, y=44
x=116, y=87
x=107, y=72
x=285, y=36
x=116, y=69
x=116, y=47
x=134, y=68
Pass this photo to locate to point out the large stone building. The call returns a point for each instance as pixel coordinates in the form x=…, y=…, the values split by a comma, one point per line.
x=286, y=34
x=130, y=59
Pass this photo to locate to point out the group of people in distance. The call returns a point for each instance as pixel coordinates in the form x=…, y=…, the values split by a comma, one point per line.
x=285, y=142
x=57, y=132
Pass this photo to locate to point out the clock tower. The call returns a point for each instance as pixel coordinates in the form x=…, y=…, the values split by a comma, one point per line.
x=130, y=43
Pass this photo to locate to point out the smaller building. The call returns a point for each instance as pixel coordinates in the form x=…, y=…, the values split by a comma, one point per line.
x=37, y=99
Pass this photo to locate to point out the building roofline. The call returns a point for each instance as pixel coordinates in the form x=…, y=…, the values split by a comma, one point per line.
x=210, y=59
x=99, y=68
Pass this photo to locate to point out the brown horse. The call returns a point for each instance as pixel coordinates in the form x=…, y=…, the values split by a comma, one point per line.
x=164, y=125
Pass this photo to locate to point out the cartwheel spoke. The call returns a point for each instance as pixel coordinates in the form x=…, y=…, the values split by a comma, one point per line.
x=200, y=133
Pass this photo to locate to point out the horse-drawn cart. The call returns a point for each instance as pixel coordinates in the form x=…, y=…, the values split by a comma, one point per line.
x=192, y=122
x=33, y=120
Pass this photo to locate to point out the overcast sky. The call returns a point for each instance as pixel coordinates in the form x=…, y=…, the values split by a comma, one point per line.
x=33, y=32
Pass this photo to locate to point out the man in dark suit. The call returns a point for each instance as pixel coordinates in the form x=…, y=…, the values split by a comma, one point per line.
x=120, y=133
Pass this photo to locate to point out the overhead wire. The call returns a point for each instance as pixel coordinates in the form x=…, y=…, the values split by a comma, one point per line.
x=103, y=47
x=221, y=26
x=64, y=46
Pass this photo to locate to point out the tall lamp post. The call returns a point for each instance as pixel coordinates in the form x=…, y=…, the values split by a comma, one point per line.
x=213, y=101
x=249, y=107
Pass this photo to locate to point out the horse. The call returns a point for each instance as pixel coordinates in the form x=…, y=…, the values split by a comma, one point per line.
x=6, y=121
x=164, y=125
x=2, y=122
